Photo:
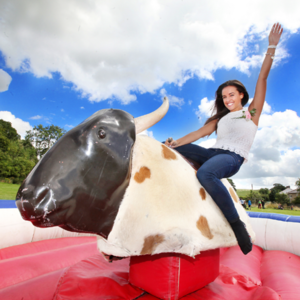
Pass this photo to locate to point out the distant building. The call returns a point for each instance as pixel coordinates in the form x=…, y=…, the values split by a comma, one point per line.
x=292, y=194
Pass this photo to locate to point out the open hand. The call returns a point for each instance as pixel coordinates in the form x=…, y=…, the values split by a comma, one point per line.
x=275, y=34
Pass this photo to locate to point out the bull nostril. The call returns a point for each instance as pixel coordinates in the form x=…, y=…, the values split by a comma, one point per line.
x=45, y=202
x=35, y=203
x=41, y=195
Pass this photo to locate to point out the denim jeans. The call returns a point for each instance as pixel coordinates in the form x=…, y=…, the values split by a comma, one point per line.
x=215, y=165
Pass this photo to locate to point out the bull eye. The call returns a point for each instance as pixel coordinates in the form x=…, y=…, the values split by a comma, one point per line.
x=101, y=134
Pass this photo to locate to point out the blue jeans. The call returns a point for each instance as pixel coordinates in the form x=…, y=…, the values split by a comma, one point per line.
x=215, y=165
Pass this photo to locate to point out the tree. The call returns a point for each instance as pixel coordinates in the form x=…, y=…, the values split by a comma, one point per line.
x=297, y=200
x=254, y=196
x=277, y=187
x=282, y=198
x=264, y=194
x=42, y=138
x=8, y=131
x=7, y=134
x=4, y=142
x=17, y=157
x=264, y=191
x=232, y=183
x=298, y=184
x=31, y=151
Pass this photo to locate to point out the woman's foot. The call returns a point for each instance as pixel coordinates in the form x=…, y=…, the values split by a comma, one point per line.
x=242, y=236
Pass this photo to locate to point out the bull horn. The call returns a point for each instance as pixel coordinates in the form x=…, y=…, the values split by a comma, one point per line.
x=144, y=122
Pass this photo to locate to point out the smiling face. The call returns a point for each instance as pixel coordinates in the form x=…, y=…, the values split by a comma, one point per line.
x=232, y=98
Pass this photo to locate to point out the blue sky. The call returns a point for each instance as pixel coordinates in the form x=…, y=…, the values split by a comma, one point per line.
x=59, y=68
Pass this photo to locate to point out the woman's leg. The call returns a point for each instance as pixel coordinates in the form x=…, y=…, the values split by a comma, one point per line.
x=209, y=175
x=196, y=153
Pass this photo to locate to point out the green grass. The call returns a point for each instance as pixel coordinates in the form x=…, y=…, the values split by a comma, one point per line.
x=277, y=211
x=243, y=193
x=8, y=191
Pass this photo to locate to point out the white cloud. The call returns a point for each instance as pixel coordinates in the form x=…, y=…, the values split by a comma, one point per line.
x=264, y=182
x=109, y=49
x=173, y=100
x=37, y=117
x=207, y=143
x=266, y=108
x=275, y=153
x=81, y=107
x=62, y=110
x=20, y=125
x=205, y=108
x=69, y=126
x=148, y=133
x=5, y=80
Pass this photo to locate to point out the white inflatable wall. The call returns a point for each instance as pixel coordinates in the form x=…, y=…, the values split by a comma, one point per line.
x=277, y=234
x=270, y=234
x=15, y=231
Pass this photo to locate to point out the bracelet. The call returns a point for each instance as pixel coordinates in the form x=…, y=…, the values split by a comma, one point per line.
x=272, y=46
x=272, y=55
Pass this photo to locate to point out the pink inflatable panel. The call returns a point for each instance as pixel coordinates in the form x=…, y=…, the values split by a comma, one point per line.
x=246, y=265
x=281, y=271
x=32, y=271
x=38, y=288
x=94, y=278
x=77, y=271
x=45, y=245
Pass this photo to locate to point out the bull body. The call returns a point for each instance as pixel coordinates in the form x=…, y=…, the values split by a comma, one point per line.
x=137, y=195
x=165, y=208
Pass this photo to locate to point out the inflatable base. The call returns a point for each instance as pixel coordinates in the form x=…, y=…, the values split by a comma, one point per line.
x=171, y=275
x=72, y=268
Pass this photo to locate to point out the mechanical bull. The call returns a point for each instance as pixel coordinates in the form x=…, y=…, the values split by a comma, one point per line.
x=139, y=196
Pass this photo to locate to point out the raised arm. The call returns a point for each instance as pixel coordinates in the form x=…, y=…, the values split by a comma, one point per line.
x=195, y=135
x=261, y=85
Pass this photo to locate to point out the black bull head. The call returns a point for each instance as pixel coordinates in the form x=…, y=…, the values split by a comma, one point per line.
x=80, y=182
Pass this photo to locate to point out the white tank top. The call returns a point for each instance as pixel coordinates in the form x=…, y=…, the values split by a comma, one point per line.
x=234, y=134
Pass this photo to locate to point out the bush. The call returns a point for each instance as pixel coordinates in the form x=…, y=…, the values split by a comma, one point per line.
x=16, y=180
x=282, y=199
x=272, y=205
x=7, y=180
x=17, y=157
x=254, y=196
x=297, y=200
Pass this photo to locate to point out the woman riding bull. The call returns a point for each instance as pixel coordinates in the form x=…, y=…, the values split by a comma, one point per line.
x=236, y=128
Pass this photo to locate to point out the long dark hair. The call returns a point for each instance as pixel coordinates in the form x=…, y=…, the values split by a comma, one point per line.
x=219, y=109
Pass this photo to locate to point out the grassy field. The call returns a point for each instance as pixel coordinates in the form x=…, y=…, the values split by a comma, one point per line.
x=296, y=212
x=243, y=193
x=277, y=211
x=8, y=191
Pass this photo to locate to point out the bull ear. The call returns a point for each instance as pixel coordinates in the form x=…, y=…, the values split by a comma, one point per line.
x=144, y=122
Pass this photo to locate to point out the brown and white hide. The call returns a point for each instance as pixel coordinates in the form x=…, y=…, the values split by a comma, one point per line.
x=165, y=208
